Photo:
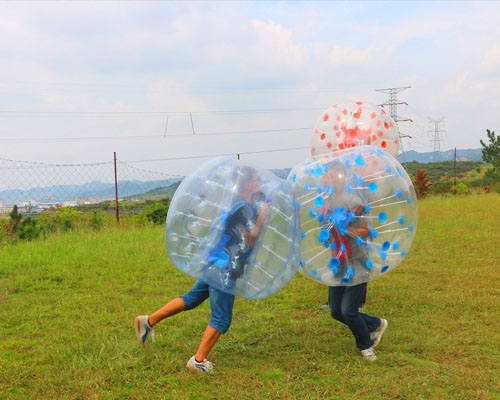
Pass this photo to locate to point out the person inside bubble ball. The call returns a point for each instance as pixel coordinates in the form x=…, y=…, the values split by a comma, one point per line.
x=242, y=229
x=226, y=261
x=345, y=301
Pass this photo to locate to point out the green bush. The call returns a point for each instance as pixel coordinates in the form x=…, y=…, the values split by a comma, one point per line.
x=62, y=220
x=460, y=188
x=442, y=187
x=157, y=212
x=29, y=229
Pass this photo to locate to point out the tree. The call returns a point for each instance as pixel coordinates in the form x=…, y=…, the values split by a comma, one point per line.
x=491, y=154
x=24, y=228
x=15, y=218
x=421, y=183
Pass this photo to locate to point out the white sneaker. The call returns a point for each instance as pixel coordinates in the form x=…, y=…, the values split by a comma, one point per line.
x=376, y=335
x=204, y=367
x=143, y=329
x=369, y=354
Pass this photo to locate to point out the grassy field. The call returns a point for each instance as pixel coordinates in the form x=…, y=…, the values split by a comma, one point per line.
x=67, y=306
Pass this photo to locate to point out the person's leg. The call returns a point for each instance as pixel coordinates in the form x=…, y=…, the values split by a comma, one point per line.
x=173, y=307
x=192, y=299
x=221, y=305
x=144, y=324
x=363, y=299
x=372, y=323
x=356, y=321
x=335, y=294
x=210, y=337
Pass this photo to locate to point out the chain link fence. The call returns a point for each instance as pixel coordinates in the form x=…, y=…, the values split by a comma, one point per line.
x=35, y=187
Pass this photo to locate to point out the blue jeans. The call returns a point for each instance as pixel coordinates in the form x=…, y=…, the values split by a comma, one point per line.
x=344, y=302
x=221, y=304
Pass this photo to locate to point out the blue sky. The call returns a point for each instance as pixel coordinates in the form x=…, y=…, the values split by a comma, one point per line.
x=180, y=82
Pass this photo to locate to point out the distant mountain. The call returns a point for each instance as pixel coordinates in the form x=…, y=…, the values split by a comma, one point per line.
x=90, y=190
x=423, y=158
x=462, y=155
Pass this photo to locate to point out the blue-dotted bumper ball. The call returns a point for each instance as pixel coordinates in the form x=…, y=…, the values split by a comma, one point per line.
x=358, y=215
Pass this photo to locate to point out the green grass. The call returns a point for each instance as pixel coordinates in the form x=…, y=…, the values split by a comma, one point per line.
x=67, y=306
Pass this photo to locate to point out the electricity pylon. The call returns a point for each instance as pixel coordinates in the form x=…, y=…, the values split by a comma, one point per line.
x=393, y=110
x=437, y=131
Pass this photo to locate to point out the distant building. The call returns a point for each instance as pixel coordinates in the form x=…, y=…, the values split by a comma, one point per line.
x=5, y=209
x=81, y=201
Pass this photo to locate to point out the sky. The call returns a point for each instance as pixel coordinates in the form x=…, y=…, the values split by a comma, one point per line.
x=167, y=85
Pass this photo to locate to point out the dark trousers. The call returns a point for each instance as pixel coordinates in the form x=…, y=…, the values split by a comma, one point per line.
x=344, y=302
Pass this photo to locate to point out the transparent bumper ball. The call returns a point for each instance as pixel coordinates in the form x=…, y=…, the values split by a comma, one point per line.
x=213, y=234
x=358, y=215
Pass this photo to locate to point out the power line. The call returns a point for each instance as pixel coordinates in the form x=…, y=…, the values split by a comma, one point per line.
x=94, y=114
x=35, y=164
x=221, y=154
x=149, y=137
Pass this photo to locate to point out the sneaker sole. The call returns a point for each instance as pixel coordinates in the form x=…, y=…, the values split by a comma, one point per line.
x=375, y=344
x=137, y=325
x=198, y=371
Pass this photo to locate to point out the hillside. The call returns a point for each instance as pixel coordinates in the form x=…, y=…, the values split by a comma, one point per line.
x=447, y=171
x=156, y=194
x=449, y=155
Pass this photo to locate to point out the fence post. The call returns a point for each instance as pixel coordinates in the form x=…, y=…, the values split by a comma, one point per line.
x=116, y=193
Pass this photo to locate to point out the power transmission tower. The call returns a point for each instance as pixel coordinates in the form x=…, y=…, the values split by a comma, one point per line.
x=393, y=110
x=393, y=104
x=437, y=131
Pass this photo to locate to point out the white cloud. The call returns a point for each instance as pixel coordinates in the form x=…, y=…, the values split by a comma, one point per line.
x=276, y=47
x=492, y=58
x=206, y=56
x=350, y=57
